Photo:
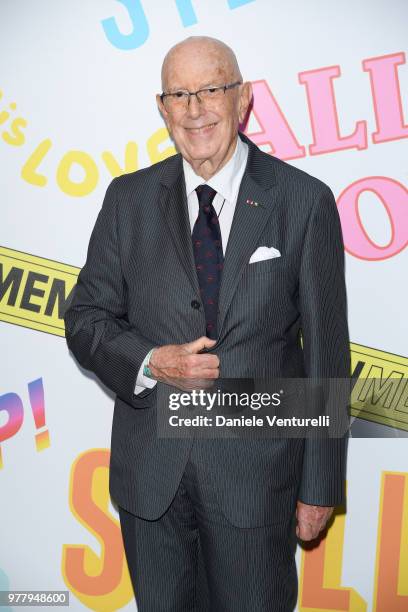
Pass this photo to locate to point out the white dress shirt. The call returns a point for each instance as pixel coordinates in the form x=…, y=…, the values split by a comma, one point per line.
x=226, y=183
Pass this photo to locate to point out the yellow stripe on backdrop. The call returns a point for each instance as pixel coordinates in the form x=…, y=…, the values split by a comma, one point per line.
x=34, y=290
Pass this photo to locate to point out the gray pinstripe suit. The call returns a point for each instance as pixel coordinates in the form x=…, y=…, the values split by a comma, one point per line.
x=135, y=292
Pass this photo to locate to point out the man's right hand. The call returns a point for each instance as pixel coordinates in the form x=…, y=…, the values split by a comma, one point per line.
x=183, y=366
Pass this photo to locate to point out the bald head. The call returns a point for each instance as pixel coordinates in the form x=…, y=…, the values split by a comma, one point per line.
x=204, y=101
x=197, y=49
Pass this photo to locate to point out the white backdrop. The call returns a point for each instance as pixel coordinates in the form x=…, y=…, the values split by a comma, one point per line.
x=77, y=82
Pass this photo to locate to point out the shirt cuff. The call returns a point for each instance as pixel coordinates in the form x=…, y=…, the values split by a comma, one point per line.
x=144, y=382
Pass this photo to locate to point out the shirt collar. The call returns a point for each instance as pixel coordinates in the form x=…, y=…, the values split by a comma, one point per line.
x=224, y=181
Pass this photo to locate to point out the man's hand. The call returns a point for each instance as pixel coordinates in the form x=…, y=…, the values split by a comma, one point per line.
x=181, y=365
x=311, y=520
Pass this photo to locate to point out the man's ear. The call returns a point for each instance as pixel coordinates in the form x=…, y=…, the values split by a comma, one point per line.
x=244, y=100
x=161, y=108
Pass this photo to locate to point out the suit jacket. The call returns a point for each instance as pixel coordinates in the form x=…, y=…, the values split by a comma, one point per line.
x=136, y=290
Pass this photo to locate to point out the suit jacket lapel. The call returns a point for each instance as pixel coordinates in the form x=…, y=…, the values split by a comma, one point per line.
x=257, y=186
x=173, y=203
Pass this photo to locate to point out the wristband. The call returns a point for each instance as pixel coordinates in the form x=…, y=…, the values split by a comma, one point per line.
x=146, y=370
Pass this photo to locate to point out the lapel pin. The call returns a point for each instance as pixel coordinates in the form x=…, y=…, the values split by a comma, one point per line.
x=253, y=203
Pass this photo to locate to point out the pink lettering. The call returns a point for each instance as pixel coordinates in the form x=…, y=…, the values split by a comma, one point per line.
x=386, y=96
x=275, y=130
x=323, y=114
x=394, y=197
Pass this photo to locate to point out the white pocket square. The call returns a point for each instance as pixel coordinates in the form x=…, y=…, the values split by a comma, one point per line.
x=262, y=253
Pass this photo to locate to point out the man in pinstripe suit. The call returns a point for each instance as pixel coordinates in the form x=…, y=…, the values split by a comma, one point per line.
x=211, y=524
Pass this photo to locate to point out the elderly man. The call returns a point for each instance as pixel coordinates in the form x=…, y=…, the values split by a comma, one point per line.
x=170, y=293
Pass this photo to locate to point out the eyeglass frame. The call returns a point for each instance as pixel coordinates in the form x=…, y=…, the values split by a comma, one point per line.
x=163, y=95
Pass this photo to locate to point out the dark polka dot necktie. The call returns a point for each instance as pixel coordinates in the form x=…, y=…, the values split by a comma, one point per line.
x=208, y=255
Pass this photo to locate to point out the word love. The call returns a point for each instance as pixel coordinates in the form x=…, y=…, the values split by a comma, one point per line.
x=76, y=161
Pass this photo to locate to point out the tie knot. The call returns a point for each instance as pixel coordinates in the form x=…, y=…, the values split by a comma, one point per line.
x=205, y=194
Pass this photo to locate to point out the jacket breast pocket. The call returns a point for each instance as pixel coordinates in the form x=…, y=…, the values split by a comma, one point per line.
x=267, y=266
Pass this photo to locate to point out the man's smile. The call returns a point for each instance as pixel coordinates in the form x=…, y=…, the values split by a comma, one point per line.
x=200, y=131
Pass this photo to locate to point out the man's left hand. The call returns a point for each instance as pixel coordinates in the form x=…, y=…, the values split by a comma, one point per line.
x=311, y=520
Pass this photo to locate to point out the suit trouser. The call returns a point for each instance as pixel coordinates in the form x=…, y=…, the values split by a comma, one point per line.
x=193, y=559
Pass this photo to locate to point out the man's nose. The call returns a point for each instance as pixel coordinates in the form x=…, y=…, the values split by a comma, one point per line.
x=194, y=108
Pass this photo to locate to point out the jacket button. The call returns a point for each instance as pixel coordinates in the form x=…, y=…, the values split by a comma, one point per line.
x=195, y=304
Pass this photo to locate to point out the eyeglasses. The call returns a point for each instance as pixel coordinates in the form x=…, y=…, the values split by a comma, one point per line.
x=180, y=100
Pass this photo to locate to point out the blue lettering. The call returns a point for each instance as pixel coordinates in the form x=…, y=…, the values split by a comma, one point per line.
x=187, y=13
x=140, y=31
x=236, y=3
